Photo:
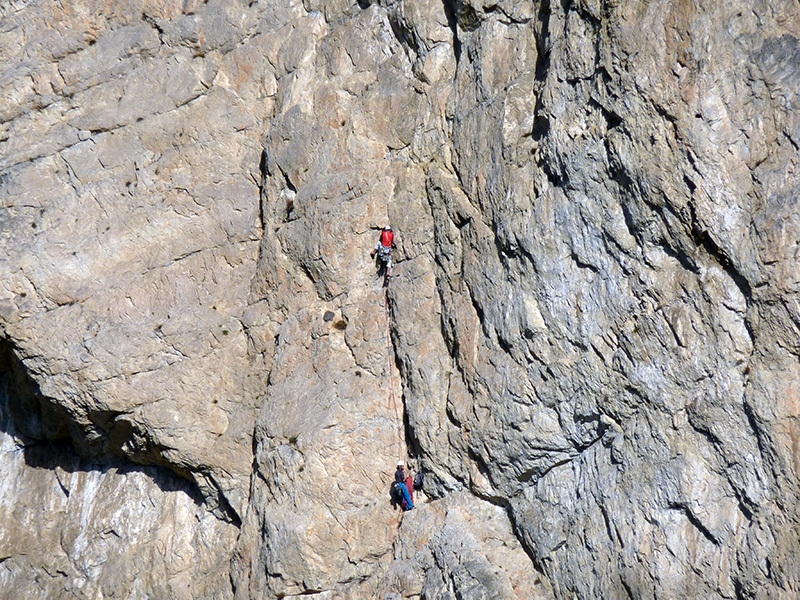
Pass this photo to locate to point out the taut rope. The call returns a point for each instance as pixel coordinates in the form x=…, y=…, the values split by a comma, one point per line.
x=392, y=397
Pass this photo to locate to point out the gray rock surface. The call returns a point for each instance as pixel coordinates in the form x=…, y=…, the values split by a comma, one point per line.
x=73, y=528
x=590, y=345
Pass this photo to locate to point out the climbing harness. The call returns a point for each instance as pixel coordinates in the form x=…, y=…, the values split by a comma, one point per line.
x=385, y=258
x=384, y=253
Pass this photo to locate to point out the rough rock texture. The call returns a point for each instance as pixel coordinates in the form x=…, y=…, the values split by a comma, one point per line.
x=590, y=345
x=86, y=530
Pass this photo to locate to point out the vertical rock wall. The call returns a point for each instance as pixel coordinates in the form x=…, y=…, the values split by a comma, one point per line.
x=589, y=345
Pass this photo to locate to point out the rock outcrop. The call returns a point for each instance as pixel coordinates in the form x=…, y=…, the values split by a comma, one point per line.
x=589, y=345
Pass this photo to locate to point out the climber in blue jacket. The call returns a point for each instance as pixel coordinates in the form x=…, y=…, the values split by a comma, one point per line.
x=401, y=487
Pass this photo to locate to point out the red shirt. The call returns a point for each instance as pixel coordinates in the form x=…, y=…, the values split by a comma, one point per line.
x=387, y=238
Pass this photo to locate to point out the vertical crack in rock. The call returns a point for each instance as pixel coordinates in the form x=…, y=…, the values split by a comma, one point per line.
x=450, y=11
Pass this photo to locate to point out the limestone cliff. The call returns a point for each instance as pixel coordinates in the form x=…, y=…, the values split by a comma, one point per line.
x=589, y=346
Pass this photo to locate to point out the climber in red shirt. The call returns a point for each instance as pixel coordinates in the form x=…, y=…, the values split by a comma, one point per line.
x=384, y=249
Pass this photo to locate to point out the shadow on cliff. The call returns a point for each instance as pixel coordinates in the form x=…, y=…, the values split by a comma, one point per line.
x=44, y=434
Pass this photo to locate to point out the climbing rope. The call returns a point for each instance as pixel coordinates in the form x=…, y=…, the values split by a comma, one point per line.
x=392, y=397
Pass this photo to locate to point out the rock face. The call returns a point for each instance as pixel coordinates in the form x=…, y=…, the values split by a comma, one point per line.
x=589, y=345
x=73, y=528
